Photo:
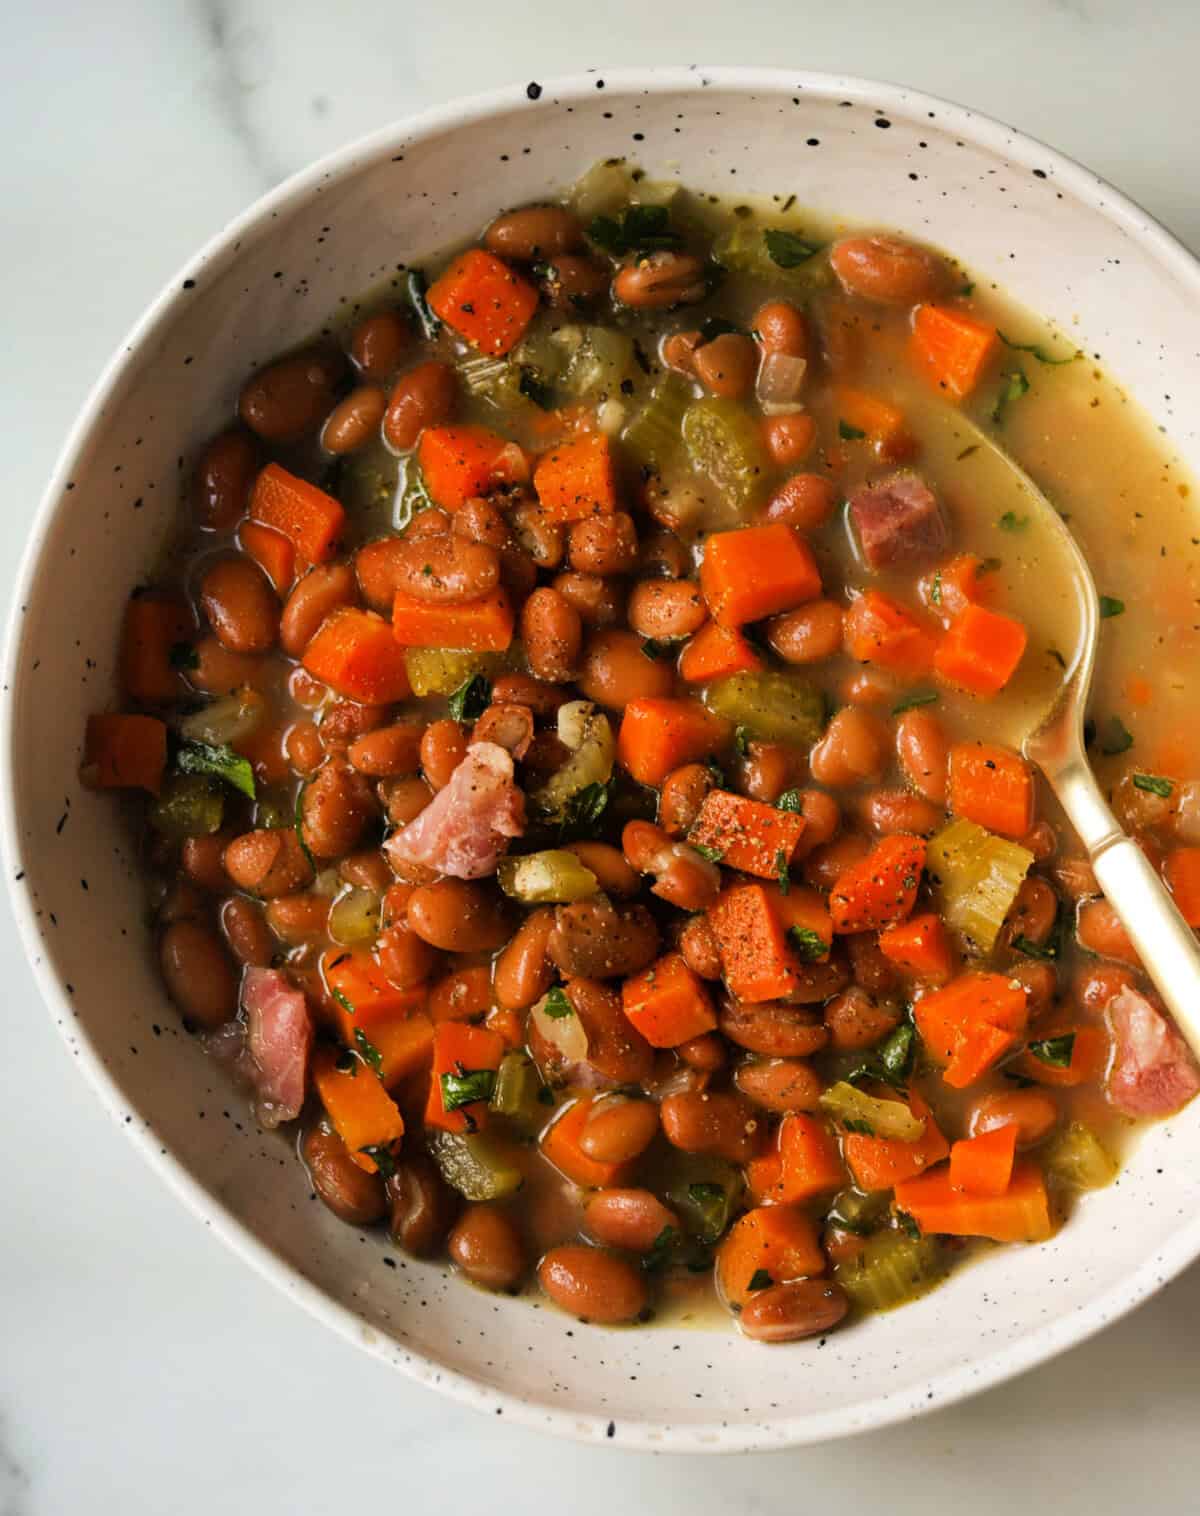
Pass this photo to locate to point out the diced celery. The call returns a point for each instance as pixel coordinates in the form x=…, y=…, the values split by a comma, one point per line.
x=723, y=444
x=605, y=186
x=601, y=358
x=516, y=1093
x=354, y=918
x=232, y=718
x=475, y=1164
x=854, y=1211
x=1075, y=1159
x=705, y=1193
x=979, y=875
x=743, y=249
x=441, y=670
x=189, y=805
x=891, y=1268
x=860, y=1112
x=772, y=706
x=494, y=379
x=589, y=735
x=553, y=875
x=654, y=438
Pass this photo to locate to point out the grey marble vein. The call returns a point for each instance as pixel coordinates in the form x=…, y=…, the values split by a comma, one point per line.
x=235, y=47
x=14, y=1478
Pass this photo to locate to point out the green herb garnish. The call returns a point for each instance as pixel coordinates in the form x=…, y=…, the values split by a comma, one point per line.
x=741, y=740
x=660, y=1250
x=1015, y=385
x=859, y=1127
x=713, y=854
x=809, y=946
x=1033, y=349
x=343, y=1000
x=717, y=326
x=660, y=647
x=1011, y=522
x=896, y=1053
x=639, y=229
x=1031, y=949
x=1056, y=1051
x=908, y=1224
x=222, y=762
x=849, y=433
x=760, y=1280
x=534, y=387
x=556, y=1004
x=1114, y=737
x=385, y=1158
x=471, y=698
x=790, y=800
x=1110, y=606
x=370, y=1053
x=1153, y=785
x=781, y=870
x=786, y=249
x=182, y=655
x=917, y=698
x=935, y=592
x=466, y=1087
x=584, y=809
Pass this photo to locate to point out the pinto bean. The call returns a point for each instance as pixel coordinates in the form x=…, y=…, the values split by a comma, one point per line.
x=480, y=521
x=221, y=672
x=459, y=916
x=240, y=605
x=538, y=534
x=443, y=748
x=896, y=810
x=616, y=1049
x=422, y=1205
x=705, y=1053
x=591, y=1284
x=868, y=686
x=388, y=750
x=773, y=1028
x=809, y=633
x=1033, y=912
x=508, y=726
x=1101, y=930
x=354, y=420
x=246, y=932
x=425, y=524
x=613, y=874
x=768, y=769
x=615, y=671
x=288, y=398
x=307, y=692
x=1034, y=1113
x=603, y=545
x=699, y=948
x=726, y=366
x=822, y=817
x=345, y=721
x=721, y=1124
x=618, y=1130
x=351, y=1193
x=886, y=268
x=445, y=570
x=781, y=328
x=1075, y=878
x=223, y=478
x=1039, y=981
x=424, y=396
x=571, y=281
x=553, y=634
x=523, y=970
x=824, y=865
x=664, y=554
x=869, y=968
x=678, y=351
x=789, y=438
x=666, y=608
x=659, y=281
x=378, y=343
x=599, y=601
x=630, y=1219
x=1096, y=984
x=324, y=589
x=788, y=1312
x=1140, y=810
x=923, y=753
x=487, y=1247
x=806, y=501
x=367, y=870
x=681, y=796
x=523, y=689
x=268, y=862
x=855, y=1019
x=534, y=233
x=335, y=809
x=405, y=799
x=303, y=747
x=198, y=974
x=780, y=1084
x=201, y=860
x=298, y=919
x=853, y=749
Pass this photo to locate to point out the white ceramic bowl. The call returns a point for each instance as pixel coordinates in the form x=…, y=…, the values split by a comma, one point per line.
x=1053, y=234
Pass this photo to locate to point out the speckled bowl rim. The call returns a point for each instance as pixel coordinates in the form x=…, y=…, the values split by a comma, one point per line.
x=994, y=1366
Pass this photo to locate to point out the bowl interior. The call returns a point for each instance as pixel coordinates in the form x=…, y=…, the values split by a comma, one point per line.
x=1014, y=212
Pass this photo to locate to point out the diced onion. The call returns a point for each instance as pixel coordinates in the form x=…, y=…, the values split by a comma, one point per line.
x=780, y=380
x=230, y=719
x=564, y=1033
x=354, y=918
x=610, y=418
x=890, y=1119
x=551, y=876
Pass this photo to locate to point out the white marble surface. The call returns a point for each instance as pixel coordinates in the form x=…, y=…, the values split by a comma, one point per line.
x=141, y=1367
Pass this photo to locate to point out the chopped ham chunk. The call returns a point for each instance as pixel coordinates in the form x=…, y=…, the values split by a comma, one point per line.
x=1153, y=1072
x=465, y=828
x=279, y=1034
x=897, y=521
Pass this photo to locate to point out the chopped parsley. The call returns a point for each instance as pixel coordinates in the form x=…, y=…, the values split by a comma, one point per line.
x=717, y=326
x=584, y=809
x=790, y=800
x=1110, y=606
x=896, y=1053
x=1114, y=737
x=1034, y=350
x=556, y=1005
x=935, y=591
x=471, y=698
x=713, y=854
x=760, y=1280
x=182, y=655
x=787, y=249
x=385, y=1158
x=1056, y=1051
x=534, y=387
x=221, y=762
x=1153, y=785
x=466, y=1087
x=1011, y=522
x=781, y=870
x=1015, y=385
x=917, y=698
x=343, y=1000
x=849, y=433
x=638, y=229
x=741, y=740
x=859, y=1127
x=1031, y=949
x=660, y=1250
x=660, y=647
x=809, y=946
x=908, y=1224
x=370, y=1053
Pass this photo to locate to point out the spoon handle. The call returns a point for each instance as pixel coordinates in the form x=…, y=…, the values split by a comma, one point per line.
x=1166, y=944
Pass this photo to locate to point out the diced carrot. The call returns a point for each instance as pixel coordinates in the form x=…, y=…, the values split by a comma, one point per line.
x=404, y=1045
x=952, y=586
x=981, y=650
x=992, y=786
x=560, y=1146
x=459, y=1051
x=919, y=947
x=803, y=1163
x=510, y=1025
x=879, y=1163
x=715, y=652
x=311, y=520
x=747, y=834
x=659, y=734
x=970, y=1023
x=748, y=574
x=1021, y=1214
x=484, y=625
x=879, y=630
x=983, y=1165
x=463, y=995
x=274, y=553
x=459, y=462
x=360, y=1110
x=668, y=1003
x=881, y=888
x=124, y=753
x=1138, y=691
x=755, y=958
x=803, y=911
x=950, y=348
x=768, y=1245
x=577, y=479
x=355, y=654
x=481, y=299
x=362, y=992
x=1181, y=868
x=865, y=412
x=1089, y=1055
x=153, y=628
